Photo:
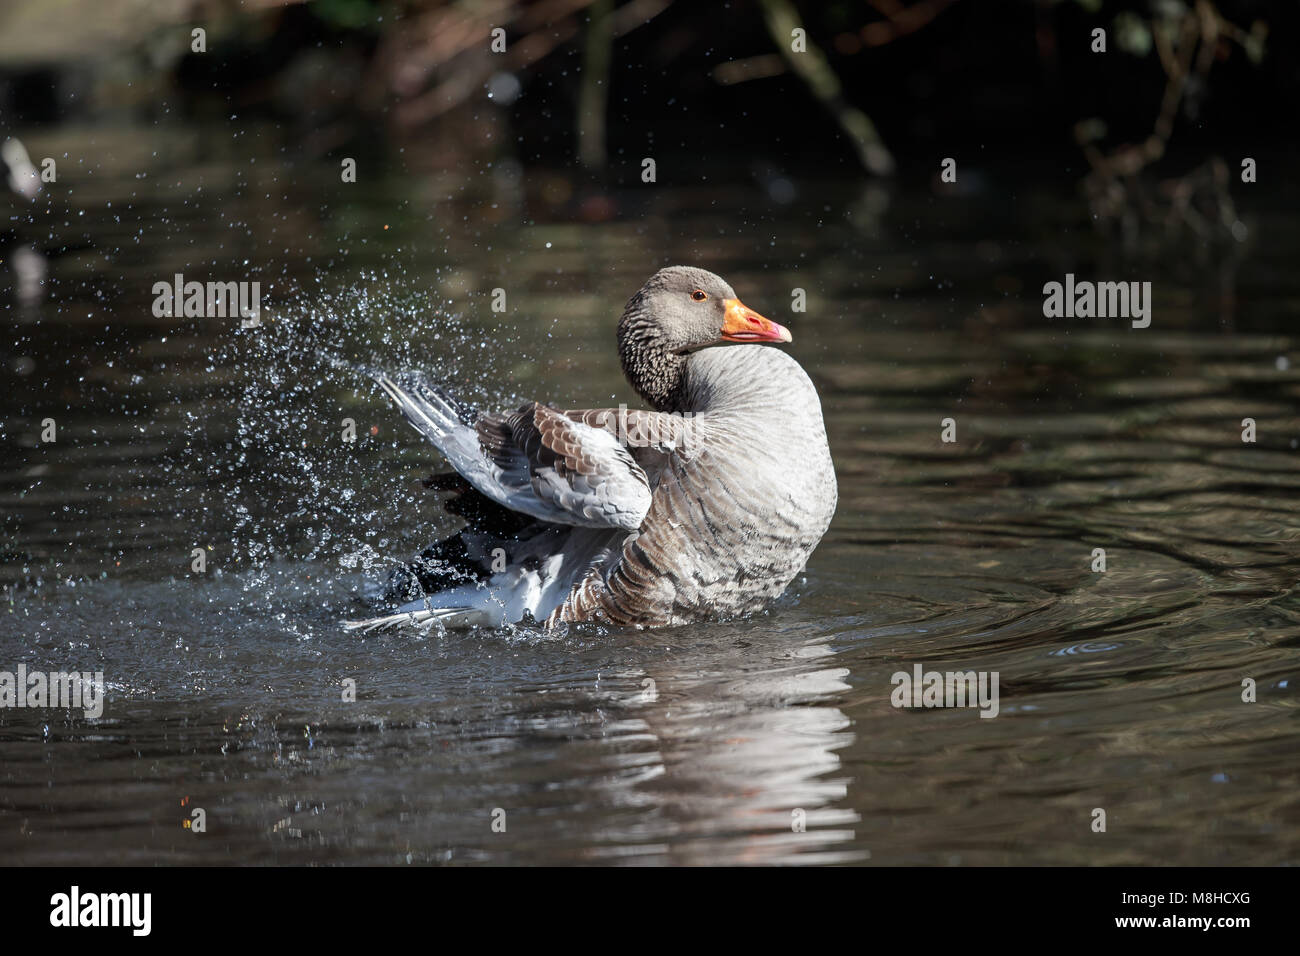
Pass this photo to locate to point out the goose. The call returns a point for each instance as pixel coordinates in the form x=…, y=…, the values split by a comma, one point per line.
x=705, y=505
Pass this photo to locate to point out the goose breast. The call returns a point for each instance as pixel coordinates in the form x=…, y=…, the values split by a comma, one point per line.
x=734, y=518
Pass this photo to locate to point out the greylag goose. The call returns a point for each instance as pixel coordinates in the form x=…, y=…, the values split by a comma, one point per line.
x=707, y=505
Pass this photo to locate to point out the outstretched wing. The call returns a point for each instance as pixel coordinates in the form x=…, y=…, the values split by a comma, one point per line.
x=536, y=461
x=582, y=471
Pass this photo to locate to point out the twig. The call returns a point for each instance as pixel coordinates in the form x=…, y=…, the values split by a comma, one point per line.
x=814, y=69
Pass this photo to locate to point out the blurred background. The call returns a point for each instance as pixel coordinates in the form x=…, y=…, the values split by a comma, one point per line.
x=582, y=90
x=796, y=146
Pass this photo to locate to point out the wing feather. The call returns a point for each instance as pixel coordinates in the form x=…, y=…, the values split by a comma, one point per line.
x=537, y=461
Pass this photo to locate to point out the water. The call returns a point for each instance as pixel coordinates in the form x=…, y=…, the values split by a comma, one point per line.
x=1119, y=690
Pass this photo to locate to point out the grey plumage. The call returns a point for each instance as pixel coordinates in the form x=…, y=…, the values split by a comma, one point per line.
x=729, y=529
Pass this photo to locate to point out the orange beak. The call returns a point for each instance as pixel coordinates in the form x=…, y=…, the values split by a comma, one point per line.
x=742, y=324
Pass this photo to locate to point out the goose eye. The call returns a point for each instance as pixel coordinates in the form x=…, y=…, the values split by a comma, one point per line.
x=699, y=295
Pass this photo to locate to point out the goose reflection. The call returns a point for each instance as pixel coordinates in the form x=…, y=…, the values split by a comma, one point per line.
x=740, y=770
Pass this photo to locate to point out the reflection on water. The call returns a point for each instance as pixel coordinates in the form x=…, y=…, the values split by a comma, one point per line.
x=767, y=740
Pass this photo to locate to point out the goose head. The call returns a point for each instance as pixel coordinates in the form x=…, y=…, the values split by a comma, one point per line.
x=678, y=311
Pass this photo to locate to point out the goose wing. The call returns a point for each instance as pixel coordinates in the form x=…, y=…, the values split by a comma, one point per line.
x=537, y=460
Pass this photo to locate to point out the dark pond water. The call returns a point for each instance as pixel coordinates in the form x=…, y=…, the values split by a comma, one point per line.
x=1120, y=690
